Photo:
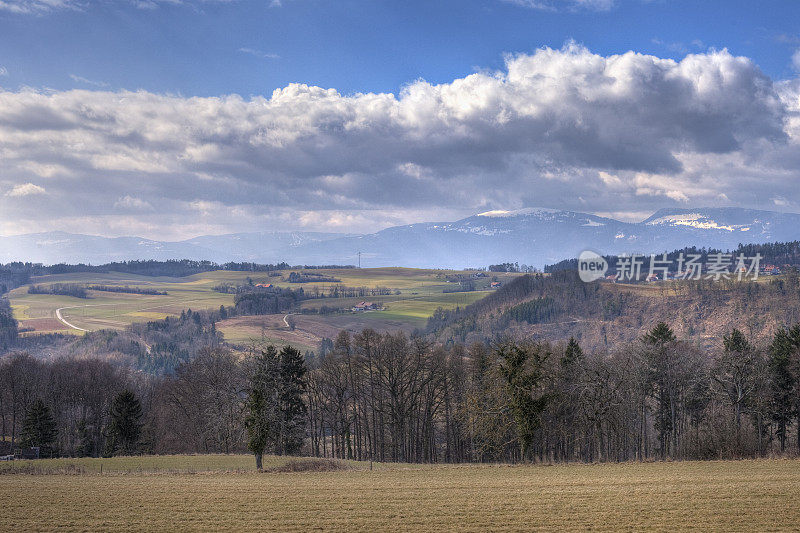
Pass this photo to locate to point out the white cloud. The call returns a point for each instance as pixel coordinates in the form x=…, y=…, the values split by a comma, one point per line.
x=25, y=189
x=3, y=71
x=556, y=5
x=258, y=53
x=40, y=7
x=37, y=6
x=132, y=203
x=550, y=128
x=81, y=79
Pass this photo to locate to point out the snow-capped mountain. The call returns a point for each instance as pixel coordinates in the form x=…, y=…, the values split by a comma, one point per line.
x=533, y=236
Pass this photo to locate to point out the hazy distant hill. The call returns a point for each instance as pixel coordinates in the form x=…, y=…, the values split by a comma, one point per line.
x=530, y=236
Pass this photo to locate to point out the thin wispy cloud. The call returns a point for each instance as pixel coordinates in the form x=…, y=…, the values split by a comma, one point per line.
x=33, y=7
x=41, y=7
x=560, y=5
x=25, y=189
x=128, y=202
x=258, y=53
x=85, y=81
x=3, y=71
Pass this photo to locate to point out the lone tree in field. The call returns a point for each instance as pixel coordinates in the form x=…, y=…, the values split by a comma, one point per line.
x=126, y=428
x=39, y=429
x=261, y=419
x=276, y=408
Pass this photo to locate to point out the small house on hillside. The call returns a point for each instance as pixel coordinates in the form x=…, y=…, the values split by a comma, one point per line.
x=365, y=306
x=495, y=285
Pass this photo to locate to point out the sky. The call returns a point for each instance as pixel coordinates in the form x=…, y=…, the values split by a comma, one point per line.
x=169, y=119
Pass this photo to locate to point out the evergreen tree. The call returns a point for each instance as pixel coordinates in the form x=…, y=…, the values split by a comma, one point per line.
x=783, y=381
x=660, y=335
x=292, y=377
x=658, y=354
x=572, y=354
x=261, y=418
x=522, y=370
x=39, y=429
x=126, y=428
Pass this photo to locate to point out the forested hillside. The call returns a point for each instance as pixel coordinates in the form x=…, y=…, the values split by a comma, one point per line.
x=604, y=315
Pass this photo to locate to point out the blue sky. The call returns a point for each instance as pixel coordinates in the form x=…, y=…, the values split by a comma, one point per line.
x=176, y=118
x=247, y=47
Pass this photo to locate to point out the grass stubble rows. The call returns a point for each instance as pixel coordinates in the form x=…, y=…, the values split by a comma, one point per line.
x=183, y=493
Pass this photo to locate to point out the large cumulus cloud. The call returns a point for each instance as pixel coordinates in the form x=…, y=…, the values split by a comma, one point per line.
x=560, y=128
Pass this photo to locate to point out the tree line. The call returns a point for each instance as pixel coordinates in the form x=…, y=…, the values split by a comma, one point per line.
x=390, y=397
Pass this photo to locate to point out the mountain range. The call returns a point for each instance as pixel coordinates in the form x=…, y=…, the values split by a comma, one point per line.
x=533, y=236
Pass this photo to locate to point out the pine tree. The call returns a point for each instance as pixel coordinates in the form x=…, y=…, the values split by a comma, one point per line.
x=572, y=354
x=261, y=418
x=125, y=428
x=292, y=376
x=783, y=381
x=660, y=335
x=39, y=429
x=659, y=355
x=522, y=371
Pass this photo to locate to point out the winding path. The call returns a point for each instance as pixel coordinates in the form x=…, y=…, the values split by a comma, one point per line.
x=61, y=318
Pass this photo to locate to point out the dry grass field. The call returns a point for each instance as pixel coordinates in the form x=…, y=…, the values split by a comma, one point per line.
x=212, y=493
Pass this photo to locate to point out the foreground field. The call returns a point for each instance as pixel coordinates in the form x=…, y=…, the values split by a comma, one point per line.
x=716, y=495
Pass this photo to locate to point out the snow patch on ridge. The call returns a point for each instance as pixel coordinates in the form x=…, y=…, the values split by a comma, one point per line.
x=501, y=213
x=695, y=220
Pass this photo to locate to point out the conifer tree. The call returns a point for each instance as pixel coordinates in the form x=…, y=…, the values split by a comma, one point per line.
x=783, y=381
x=292, y=377
x=522, y=370
x=39, y=429
x=261, y=418
x=125, y=428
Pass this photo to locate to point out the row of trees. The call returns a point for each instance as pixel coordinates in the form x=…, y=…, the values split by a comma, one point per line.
x=68, y=407
x=388, y=397
x=391, y=398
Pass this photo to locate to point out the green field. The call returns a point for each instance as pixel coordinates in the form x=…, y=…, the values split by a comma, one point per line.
x=415, y=295
x=111, y=310
x=204, y=493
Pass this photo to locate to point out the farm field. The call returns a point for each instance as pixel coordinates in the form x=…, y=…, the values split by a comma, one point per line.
x=754, y=495
x=109, y=310
x=415, y=294
x=401, y=313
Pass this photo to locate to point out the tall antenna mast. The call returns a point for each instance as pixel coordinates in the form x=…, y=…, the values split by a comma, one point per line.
x=359, y=259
